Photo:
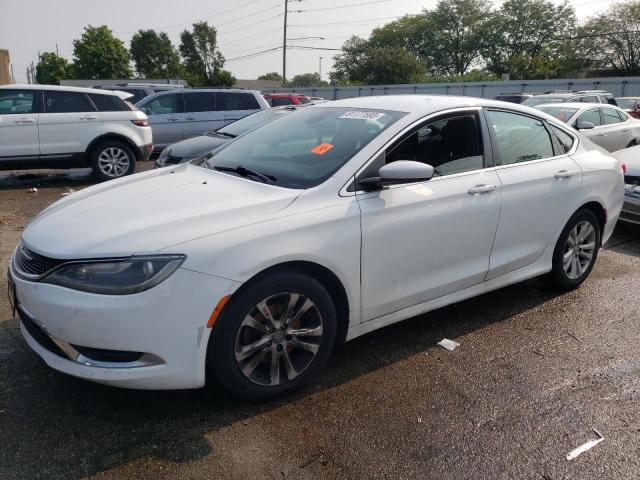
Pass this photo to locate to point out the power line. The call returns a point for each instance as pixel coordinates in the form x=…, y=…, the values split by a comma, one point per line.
x=340, y=6
x=362, y=21
x=255, y=54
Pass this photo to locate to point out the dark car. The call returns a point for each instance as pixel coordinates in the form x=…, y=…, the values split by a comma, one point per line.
x=514, y=97
x=631, y=105
x=195, y=147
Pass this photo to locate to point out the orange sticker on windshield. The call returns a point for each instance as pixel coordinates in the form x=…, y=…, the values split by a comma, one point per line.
x=322, y=148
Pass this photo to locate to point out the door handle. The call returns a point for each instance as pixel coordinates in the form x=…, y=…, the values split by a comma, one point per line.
x=189, y=118
x=564, y=174
x=601, y=134
x=480, y=189
x=26, y=120
x=89, y=117
x=173, y=119
x=625, y=129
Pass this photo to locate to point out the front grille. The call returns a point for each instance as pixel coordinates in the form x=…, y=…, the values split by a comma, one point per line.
x=171, y=160
x=32, y=263
x=39, y=335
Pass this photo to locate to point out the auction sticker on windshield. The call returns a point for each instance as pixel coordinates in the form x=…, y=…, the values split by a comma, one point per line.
x=322, y=148
x=360, y=115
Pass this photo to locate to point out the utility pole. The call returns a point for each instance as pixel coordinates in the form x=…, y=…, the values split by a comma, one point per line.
x=57, y=53
x=284, y=45
x=320, y=68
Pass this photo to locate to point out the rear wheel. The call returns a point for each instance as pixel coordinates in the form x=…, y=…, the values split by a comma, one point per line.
x=112, y=159
x=273, y=336
x=576, y=250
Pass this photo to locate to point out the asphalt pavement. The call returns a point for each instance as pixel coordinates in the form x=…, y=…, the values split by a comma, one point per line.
x=534, y=374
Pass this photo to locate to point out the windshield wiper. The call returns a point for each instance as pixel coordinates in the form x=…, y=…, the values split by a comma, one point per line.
x=246, y=172
x=224, y=134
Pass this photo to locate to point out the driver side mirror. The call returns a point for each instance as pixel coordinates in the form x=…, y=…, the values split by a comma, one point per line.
x=396, y=173
x=585, y=126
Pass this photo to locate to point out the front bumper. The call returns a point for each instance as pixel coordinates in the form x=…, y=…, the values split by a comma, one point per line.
x=631, y=207
x=161, y=332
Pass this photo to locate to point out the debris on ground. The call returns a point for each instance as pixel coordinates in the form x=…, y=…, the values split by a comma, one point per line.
x=573, y=335
x=585, y=446
x=68, y=192
x=448, y=344
x=32, y=190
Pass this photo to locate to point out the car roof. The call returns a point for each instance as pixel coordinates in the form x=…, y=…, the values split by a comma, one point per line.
x=577, y=105
x=59, y=88
x=173, y=91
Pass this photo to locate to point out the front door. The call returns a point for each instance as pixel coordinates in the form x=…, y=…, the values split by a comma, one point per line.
x=18, y=124
x=428, y=239
x=165, y=118
x=617, y=135
x=539, y=184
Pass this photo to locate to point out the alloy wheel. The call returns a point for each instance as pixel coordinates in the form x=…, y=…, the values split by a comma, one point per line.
x=579, y=250
x=113, y=162
x=278, y=339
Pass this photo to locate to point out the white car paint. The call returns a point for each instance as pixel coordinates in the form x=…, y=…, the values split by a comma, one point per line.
x=610, y=136
x=416, y=246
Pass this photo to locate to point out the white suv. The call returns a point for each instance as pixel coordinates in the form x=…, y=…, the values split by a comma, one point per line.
x=43, y=126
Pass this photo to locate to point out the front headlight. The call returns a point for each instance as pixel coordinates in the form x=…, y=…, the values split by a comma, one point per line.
x=116, y=277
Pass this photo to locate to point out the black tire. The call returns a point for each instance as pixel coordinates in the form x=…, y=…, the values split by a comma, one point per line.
x=559, y=278
x=123, y=151
x=227, y=335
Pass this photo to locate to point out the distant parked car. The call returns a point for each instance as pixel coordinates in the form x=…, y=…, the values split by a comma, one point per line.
x=195, y=147
x=43, y=126
x=185, y=113
x=563, y=96
x=514, y=97
x=608, y=126
x=140, y=90
x=281, y=99
x=631, y=105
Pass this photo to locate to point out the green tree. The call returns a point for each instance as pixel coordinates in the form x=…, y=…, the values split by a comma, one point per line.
x=308, y=80
x=51, y=68
x=154, y=56
x=529, y=39
x=362, y=63
x=271, y=76
x=612, y=39
x=203, y=61
x=98, y=54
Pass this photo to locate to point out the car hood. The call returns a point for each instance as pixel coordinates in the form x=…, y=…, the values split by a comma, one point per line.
x=197, y=146
x=151, y=211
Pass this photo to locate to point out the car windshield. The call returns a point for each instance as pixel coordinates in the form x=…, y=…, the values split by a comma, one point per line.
x=561, y=113
x=304, y=148
x=539, y=100
x=249, y=122
x=627, y=103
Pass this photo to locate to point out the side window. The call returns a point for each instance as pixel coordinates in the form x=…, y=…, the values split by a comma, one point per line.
x=590, y=99
x=450, y=145
x=163, y=105
x=574, y=99
x=623, y=115
x=520, y=138
x=66, y=102
x=592, y=116
x=199, y=102
x=564, y=139
x=610, y=116
x=14, y=102
x=239, y=101
x=610, y=100
x=280, y=101
x=108, y=103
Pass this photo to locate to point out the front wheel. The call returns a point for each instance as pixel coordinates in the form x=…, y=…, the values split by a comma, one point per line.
x=576, y=250
x=112, y=159
x=273, y=336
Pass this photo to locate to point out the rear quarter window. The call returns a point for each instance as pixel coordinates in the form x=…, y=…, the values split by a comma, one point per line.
x=239, y=101
x=108, y=103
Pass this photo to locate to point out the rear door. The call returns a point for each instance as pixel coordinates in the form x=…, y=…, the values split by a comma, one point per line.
x=617, y=135
x=165, y=118
x=200, y=114
x=539, y=183
x=67, y=124
x=237, y=105
x=19, y=124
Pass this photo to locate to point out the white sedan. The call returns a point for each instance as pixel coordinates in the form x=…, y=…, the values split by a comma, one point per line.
x=318, y=227
x=610, y=127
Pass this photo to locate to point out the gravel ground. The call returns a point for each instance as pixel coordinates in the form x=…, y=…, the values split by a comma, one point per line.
x=535, y=372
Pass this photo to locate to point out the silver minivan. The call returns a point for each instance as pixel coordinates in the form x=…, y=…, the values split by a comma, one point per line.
x=185, y=113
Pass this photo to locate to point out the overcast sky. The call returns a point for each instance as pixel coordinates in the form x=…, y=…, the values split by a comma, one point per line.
x=244, y=26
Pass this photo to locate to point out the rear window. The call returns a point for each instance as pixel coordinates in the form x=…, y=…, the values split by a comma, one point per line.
x=108, y=103
x=280, y=101
x=540, y=100
x=627, y=103
x=561, y=113
x=239, y=101
x=304, y=99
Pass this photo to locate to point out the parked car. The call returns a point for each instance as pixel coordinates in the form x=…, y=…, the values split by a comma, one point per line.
x=563, y=96
x=630, y=158
x=195, y=147
x=608, y=126
x=631, y=105
x=44, y=126
x=514, y=97
x=185, y=113
x=140, y=90
x=282, y=99
x=317, y=227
